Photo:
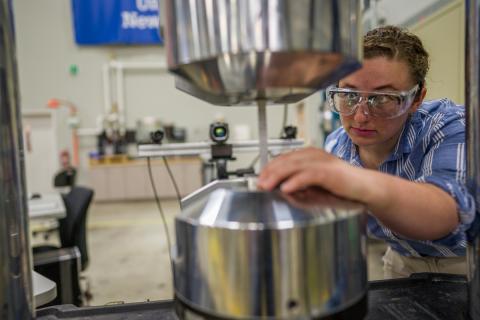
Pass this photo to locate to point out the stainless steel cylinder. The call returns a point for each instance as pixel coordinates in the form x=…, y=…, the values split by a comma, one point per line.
x=472, y=95
x=16, y=275
x=252, y=255
x=231, y=52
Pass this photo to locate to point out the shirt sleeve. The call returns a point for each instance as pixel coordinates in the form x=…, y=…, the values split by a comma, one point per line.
x=444, y=164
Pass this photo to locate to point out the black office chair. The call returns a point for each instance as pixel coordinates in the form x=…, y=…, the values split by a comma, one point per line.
x=72, y=232
x=73, y=228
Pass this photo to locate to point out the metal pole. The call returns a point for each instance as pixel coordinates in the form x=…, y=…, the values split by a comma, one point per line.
x=472, y=95
x=262, y=132
x=16, y=276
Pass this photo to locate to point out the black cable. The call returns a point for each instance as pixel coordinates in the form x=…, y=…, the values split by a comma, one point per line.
x=162, y=214
x=172, y=178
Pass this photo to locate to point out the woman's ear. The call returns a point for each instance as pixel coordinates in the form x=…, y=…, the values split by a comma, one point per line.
x=418, y=100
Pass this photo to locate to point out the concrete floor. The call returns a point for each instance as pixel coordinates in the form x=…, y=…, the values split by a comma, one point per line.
x=129, y=257
x=128, y=252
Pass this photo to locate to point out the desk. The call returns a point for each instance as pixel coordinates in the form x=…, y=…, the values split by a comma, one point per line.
x=44, y=290
x=48, y=206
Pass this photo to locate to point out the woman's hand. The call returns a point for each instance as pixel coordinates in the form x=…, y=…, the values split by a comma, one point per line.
x=415, y=210
x=309, y=167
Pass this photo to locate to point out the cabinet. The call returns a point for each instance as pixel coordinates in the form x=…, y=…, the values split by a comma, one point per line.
x=128, y=179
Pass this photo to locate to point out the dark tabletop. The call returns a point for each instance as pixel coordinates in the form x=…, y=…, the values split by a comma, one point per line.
x=423, y=296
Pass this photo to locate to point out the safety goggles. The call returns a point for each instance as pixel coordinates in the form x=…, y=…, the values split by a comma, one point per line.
x=380, y=104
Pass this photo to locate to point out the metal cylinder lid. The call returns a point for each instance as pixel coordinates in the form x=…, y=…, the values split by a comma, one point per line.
x=263, y=255
x=257, y=210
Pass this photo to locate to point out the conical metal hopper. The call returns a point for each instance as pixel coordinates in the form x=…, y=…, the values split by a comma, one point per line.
x=249, y=255
x=234, y=52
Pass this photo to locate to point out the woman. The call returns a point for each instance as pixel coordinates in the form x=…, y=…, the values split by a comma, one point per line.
x=402, y=157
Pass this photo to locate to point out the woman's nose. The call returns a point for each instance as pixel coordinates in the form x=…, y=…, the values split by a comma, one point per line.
x=361, y=113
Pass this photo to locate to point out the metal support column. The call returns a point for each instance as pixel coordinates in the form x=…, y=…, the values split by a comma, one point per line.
x=16, y=296
x=472, y=95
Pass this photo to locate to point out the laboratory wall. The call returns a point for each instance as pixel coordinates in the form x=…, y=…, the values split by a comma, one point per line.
x=443, y=34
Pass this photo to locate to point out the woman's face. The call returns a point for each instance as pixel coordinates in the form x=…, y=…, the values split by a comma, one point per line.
x=378, y=74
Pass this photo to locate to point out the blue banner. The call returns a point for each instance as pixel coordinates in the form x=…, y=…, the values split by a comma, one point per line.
x=116, y=22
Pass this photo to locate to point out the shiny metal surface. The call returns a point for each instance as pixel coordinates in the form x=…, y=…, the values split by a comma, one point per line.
x=232, y=184
x=230, y=52
x=262, y=132
x=252, y=255
x=16, y=302
x=472, y=94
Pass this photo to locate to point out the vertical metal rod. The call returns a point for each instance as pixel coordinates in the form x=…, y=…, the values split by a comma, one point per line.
x=121, y=113
x=16, y=301
x=107, y=94
x=472, y=95
x=262, y=132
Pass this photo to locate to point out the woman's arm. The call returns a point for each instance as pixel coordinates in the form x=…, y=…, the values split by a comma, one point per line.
x=418, y=211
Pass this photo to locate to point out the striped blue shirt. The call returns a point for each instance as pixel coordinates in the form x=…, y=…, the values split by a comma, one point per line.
x=431, y=149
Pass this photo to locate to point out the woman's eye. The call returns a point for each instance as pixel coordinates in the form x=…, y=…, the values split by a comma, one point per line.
x=348, y=98
x=352, y=98
x=381, y=100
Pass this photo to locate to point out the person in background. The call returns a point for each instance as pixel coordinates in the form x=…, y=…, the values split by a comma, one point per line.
x=67, y=174
x=400, y=155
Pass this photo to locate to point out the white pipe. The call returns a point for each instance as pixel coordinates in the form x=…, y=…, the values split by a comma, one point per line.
x=138, y=65
x=119, y=67
x=120, y=96
x=373, y=14
x=107, y=95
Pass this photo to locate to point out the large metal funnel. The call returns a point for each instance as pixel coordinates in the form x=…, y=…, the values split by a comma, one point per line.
x=233, y=52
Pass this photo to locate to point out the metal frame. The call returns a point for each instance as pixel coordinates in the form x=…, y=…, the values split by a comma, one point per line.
x=472, y=95
x=15, y=279
x=200, y=148
x=16, y=289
